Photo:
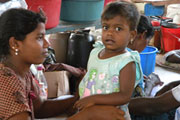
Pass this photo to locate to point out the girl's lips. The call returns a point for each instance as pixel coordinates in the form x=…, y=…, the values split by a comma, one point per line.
x=109, y=41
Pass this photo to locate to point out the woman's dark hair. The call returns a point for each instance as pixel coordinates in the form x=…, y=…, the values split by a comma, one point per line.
x=17, y=23
x=145, y=25
x=124, y=9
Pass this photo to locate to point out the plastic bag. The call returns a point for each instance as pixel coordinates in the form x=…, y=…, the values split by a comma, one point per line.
x=12, y=4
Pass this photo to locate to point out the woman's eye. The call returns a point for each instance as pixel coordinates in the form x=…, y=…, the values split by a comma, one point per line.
x=118, y=28
x=40, y=37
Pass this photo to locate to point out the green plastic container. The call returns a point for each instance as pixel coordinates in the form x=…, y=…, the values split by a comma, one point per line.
x=81, y=10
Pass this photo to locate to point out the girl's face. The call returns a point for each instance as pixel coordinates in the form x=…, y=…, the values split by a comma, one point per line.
x=33, y=50
x=116, y=34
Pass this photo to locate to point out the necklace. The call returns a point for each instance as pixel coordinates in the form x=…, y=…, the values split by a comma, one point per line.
x=23, y=78
x=8, y=63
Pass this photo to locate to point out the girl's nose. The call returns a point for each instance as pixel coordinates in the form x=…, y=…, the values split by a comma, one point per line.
x=110, y=32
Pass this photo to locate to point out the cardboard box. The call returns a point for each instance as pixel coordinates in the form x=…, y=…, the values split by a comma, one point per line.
x=58, y=83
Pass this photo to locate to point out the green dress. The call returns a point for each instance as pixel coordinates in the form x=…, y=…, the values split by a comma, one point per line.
x=102, y=76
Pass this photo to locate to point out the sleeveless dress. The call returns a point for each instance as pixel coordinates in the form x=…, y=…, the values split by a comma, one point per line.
x=102, y=76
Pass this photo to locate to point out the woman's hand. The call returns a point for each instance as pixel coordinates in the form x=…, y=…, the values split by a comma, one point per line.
x=99, y=112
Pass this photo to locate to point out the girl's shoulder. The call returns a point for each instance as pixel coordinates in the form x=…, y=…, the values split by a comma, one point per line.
x=98, y=46
x=129, y=56
x=134, y=55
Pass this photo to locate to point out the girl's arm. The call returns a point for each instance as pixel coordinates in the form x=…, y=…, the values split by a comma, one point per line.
x=126, y=79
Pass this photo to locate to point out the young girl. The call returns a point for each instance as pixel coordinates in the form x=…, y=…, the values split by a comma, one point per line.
x=113, y=72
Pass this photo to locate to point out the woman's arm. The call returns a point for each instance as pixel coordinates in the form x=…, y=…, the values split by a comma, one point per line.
x=91, y=113
x=153, y=106
x=50, y=107
x=21, y=116
x=168, y=87
x=126, y=80
x=99, y=112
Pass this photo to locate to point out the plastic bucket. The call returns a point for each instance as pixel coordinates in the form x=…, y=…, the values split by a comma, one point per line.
x=170, y=39
x=150, y=10
x=51, y=9
x=148, y=59
x=81, y=10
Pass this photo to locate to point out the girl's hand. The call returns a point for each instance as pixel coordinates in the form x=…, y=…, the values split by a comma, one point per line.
x=84, y=103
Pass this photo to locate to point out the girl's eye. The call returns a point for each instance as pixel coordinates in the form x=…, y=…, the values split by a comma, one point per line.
x=105, y=27
x=118, y=28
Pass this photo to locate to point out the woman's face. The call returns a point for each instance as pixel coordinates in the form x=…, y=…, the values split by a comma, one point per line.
x=33, y=50
x=140, y=42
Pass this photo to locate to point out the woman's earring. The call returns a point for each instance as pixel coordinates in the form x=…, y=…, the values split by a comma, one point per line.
x=131, y=41
x=16, y=51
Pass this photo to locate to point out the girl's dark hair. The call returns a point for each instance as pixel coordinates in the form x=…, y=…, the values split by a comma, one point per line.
x=17, y=23
x=124, y=9
x=145, y=25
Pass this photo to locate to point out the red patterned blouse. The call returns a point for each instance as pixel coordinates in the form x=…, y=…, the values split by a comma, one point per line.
x=15, y=94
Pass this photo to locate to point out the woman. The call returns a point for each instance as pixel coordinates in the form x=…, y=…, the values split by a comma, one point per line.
x=145, y=32
x=22, y=38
